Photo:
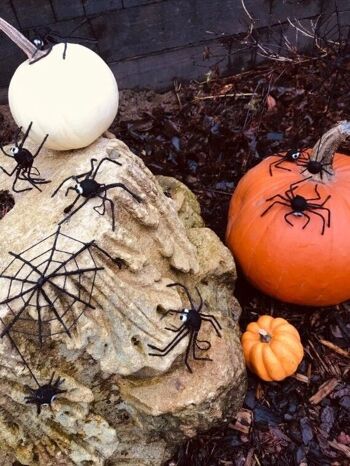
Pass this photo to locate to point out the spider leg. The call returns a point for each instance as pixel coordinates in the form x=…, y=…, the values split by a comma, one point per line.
x=7, y=173
x=277, y=164
x=35, y=181
x=200, y=301
x=41, y=146
x=61, y=184
x=90, y=172
x=112, y=210
x=171, y=311
x=323, y=203
x=286, y=218
x=317, y=193
x=205, y=348
x=322, y=218
x=307, y=221
x=101, y=162
x=186, y=291
x=69, y=189
x=170, y=346
x=5, y=153
x=26, y=177
x=295, y=184
x=26, y=134
x=74, y=211
x=270, y=207
x=103, y=205
x=188, y=349
x=18, y=172
x=214, y=322
x=121, y=185
x=65, y=50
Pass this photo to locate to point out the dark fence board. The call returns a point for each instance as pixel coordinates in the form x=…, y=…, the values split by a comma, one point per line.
x=149, y=42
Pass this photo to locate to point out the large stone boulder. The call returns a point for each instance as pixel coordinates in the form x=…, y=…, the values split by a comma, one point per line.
x=120, y=403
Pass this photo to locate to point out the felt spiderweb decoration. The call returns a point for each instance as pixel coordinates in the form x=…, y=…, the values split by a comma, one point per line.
x=47, y=287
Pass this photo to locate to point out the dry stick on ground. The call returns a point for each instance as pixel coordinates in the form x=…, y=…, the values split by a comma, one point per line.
x=324, y=390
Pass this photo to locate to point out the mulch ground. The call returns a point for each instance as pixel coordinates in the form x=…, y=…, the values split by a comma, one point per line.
x=208, y=134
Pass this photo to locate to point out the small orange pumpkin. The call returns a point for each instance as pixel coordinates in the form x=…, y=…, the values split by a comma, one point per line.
x=272, y=348
x=301, y=257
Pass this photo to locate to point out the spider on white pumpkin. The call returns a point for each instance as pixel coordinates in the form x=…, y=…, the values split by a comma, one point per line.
x=46, y=38
x=24, y=169
x=88, y=188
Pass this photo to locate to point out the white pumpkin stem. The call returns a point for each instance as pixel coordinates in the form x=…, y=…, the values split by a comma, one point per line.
x=325, y=148
x=19, y=39
x=265, y=337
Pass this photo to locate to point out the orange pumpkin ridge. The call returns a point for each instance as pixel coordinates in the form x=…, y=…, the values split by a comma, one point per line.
x=297, y=264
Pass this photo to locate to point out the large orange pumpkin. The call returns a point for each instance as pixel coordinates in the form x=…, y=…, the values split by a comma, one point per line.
x=272, y=348
x=302, y=262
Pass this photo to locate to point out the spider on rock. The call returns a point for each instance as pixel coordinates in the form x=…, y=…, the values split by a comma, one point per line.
x=45, y=394
x=24, y=169
x=88, y=188
x=192, y=321
x=301, y=206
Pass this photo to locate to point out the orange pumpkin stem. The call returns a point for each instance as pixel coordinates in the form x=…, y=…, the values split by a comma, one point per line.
x=265, y=337
x=20, y=40
x=325, y=148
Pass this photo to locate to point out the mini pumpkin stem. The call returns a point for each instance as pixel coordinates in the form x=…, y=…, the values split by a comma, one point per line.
x=325, y=148
x=265, y=337
x=19, y=39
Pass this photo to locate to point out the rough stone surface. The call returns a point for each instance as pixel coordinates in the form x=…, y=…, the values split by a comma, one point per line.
x=121, y=403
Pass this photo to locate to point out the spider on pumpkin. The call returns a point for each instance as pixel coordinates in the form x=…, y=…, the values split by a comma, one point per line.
x=88, y=188
x=192, y=320
x=314, y=166
x=25, y=160
x=292, y=155
x=299, y=205
x=45, y=394
x=46, y=38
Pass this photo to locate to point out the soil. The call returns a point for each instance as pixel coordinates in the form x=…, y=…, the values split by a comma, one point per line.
x=208, y=134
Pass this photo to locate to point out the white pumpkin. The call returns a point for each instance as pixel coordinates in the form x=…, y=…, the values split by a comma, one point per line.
x=73, y=100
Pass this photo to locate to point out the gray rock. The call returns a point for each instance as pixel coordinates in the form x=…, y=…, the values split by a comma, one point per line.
x=121, y=404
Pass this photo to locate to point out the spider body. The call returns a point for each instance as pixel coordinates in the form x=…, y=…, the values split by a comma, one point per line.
x=88, y=188
x=314, y=166
x=24, y=170
x=291, y=156
x=45, y=394
x=192, y=319
x=301, y=207
x=298, y=204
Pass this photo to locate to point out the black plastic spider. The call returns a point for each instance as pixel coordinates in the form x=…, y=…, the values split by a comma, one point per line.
x=25, y=159
x=44, y=395
x=313, y=166
x=291, y=156
x=192, y=320
x=299, y=205
x=88, y=188
x=46, y=38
